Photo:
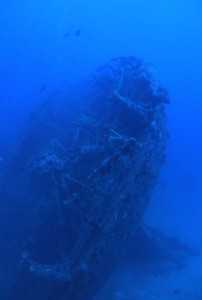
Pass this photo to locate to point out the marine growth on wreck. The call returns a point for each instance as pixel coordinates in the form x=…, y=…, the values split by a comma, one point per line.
x=86, y=172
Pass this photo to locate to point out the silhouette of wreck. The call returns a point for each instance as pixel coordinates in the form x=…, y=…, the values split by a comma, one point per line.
x=82, y=178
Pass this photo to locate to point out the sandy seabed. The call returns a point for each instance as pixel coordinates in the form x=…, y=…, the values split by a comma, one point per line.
x=155, y=281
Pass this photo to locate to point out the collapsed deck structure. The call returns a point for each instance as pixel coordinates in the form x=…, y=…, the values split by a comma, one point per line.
x=83, y=177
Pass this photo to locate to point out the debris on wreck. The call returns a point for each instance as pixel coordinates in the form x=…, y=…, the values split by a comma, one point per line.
x=92, y=160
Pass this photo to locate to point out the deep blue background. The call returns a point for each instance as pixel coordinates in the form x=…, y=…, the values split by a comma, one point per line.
x=40, y=52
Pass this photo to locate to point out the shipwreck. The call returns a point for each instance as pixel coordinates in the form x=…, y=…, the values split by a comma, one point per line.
x=82, y=179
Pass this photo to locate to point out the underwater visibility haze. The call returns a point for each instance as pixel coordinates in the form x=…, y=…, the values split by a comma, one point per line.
x=100, y=150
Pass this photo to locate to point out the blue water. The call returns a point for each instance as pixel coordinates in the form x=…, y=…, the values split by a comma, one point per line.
x=46, y=45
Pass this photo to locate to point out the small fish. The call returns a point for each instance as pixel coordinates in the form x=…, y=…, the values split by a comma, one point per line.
x=77, y=32
x=67, y=34
x=42, y=89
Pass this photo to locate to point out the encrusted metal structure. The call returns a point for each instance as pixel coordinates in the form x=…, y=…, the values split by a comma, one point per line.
x=87, y=169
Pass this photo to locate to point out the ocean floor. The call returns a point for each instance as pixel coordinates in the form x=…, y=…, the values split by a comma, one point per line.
x=161, y=280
